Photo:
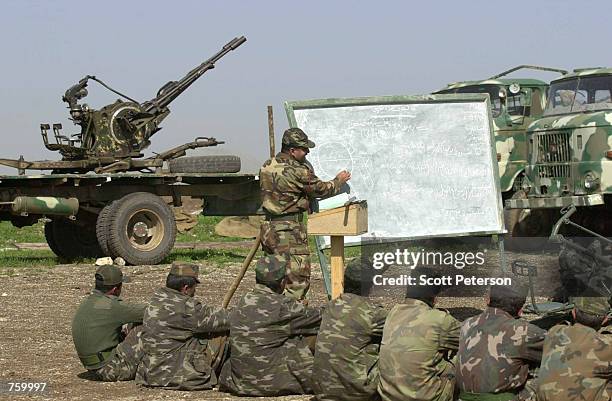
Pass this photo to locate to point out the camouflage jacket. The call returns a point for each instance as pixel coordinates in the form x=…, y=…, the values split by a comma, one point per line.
x=176, y=329
x=572, y=359
x=346, y=356
x=268, y=354
x=288, y=185
x=496, y=351
x=416, y=353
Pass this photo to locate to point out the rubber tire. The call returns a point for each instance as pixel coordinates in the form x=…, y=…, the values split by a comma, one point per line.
x=517, y=225
x=103, y=228
x=205, y=164
x=118, y=241
x=71, y=241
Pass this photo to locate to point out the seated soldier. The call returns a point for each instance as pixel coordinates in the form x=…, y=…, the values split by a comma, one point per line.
x=97, y=329
x=418, y=349
x=577, y=359
x=184, y=339
x=496, y=349
x=346, y=355
x=269, y=354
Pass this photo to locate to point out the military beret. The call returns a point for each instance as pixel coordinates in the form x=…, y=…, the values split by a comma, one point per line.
x=297, y=138
x=185, y=269
x=109, y=274
x=594, y=305
x=271, y=268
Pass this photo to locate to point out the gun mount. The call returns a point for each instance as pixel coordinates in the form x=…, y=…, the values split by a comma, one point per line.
x=111, y=137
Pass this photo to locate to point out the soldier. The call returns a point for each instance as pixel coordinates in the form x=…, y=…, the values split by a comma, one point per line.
x=269, y=355
x=496, y=350
x=417, y=355
x=346, y=356
x=97, y=329
x=287, y=187
x=577, y=359
x=183, y=340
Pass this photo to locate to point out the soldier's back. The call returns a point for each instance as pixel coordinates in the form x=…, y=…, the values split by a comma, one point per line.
x=346, y=356
x=571, y=359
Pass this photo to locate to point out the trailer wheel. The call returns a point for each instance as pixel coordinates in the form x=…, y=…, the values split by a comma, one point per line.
x=72, y=241
x=103, y=228
x=142, y=229
x=205, y=164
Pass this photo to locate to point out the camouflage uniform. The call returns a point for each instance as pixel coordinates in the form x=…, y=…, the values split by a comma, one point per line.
x=182, y=341
x=97, y=331
x=269, y=355
x=346, y=356
x=495, y=351
x=287, y=186
x=416, y=355
x=573, y=359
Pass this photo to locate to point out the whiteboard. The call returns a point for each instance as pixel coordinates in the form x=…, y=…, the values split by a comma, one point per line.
x=425, y=164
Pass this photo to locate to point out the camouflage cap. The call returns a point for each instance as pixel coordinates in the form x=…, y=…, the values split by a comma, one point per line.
x=298, y=138
x=271, y=268
x=594, y=305
x=185, y=269
x=109, y=274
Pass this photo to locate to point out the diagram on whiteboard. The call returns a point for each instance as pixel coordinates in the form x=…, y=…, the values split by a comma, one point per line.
x=426, y=169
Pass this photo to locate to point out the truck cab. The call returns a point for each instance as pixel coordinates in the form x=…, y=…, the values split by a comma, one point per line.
x=515, y=103
x=570, y=156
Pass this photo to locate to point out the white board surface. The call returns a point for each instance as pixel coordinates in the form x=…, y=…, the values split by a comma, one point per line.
x=426, y=169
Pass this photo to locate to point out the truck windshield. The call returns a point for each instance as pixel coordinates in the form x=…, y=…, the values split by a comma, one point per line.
x=580, y=94
x=492, y=90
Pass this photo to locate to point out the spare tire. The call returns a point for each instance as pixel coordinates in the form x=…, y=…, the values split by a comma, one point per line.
x=205, y=164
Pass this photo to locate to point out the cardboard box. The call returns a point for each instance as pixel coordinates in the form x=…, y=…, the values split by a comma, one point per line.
x=343, y=221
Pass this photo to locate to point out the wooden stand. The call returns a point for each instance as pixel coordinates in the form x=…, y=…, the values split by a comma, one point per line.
x=351, y=220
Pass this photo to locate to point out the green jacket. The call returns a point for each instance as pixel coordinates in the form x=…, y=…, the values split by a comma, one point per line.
x=96, y=327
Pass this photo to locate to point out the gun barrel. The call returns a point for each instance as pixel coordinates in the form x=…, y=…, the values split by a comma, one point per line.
x=173, y=89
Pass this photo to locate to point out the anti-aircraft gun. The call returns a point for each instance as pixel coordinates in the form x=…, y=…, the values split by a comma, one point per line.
x=112, y=138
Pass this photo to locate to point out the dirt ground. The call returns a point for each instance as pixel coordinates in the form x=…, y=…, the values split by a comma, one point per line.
x=37, y=309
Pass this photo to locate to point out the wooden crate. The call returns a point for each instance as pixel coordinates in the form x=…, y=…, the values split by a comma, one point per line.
x=344, y=221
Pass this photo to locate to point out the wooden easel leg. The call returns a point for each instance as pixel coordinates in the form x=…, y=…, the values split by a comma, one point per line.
x=337, y=265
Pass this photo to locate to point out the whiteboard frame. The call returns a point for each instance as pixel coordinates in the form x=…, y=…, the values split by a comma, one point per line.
x=292, y=106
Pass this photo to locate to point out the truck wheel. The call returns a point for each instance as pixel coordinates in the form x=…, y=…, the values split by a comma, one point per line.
x=71, y=241
x=142, y=229
x=103, y=228
x=205, y=164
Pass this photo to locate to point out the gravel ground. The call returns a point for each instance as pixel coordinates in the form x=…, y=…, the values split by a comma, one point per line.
x=37, y=309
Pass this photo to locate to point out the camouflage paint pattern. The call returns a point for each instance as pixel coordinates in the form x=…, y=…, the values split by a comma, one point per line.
x=269, y=355
x=46, y=205
x=495, y=353
x=568, y=145
x=123, y=364
x=287, y=187
x=572, y=359
x=509, y=128
x=346, y=353
x=417, y=354
x=180, y=351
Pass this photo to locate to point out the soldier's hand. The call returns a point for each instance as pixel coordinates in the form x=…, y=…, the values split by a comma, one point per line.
x=343, y=176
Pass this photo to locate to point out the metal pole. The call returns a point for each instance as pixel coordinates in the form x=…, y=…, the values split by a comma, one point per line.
x=271, y=131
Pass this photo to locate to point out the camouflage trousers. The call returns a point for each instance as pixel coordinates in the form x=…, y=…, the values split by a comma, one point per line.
x=287, y=240
x=128, y=354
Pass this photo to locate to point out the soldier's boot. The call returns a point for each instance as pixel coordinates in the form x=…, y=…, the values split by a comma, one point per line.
x=122, y=366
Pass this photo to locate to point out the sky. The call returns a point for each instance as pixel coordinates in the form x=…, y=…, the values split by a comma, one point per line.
x=294, y=51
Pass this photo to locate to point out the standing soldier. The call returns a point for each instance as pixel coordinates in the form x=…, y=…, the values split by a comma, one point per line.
x=577, y=359
x=497, y=349
x=346, y=355
x=97, y=329
x=183, y=340
x=287, y=186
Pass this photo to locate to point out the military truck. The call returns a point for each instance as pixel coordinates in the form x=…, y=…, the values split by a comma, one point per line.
x=570, y=156
x=515, y=103
x=104, y=198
